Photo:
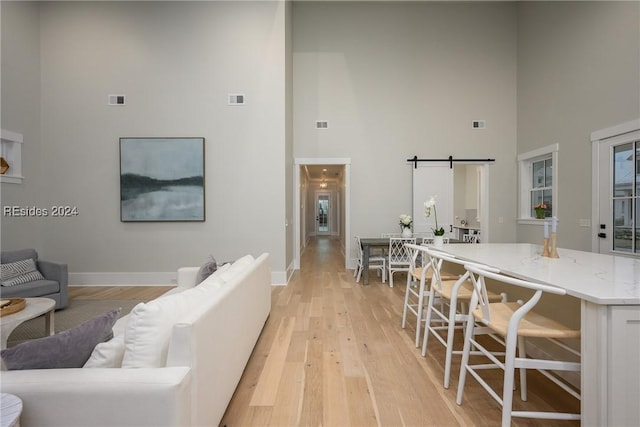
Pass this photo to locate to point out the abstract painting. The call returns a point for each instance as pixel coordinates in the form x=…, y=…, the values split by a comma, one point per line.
x=162, y=179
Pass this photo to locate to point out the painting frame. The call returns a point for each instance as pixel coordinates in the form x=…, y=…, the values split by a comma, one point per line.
x=162, y=179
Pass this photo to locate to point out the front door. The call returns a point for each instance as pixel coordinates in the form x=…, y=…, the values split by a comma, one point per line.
x=619, y=191
x=323, y=209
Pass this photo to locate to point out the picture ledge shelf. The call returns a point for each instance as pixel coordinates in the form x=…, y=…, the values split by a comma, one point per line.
x=11, y=152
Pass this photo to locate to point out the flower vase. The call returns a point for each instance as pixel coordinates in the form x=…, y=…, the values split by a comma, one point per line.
x=438, y=241
x=539, y=213
x=406, y=232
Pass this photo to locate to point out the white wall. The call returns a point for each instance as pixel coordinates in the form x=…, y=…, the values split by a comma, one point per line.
x=396, y=80
x=176, y=62
x=20, y=112
x=578, y=71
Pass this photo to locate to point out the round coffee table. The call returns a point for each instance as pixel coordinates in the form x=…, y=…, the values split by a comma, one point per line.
x=34, y=307
x=10, y=410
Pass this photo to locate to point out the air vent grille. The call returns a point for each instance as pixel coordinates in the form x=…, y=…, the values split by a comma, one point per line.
x=117, y=100
x=236, y=99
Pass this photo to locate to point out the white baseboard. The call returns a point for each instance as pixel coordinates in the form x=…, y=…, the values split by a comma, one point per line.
x=278, y=278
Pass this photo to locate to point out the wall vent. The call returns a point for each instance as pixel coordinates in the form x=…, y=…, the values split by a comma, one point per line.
x=479, y=124
x=236, y=99
x=322, y=124
x=117, y=100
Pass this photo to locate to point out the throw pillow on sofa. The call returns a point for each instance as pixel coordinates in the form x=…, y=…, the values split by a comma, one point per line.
x=150, y=324
x=108, y=354
x=19, y=272
x=67, y=349
x=206, y=269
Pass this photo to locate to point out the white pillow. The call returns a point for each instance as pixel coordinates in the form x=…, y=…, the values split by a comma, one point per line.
x=148, y=330
x=107, y=354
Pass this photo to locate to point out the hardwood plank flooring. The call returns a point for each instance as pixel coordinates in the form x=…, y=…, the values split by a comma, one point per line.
x=332, y=353
x=142, y=293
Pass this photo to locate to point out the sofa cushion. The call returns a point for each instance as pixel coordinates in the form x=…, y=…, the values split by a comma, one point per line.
x=39, y=288
x=206, y=270
x=239, y=265
x=67, y=349
x=150, y=324
x=108, y=354
x=19, y=272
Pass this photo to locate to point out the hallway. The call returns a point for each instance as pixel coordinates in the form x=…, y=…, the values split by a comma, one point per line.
x=333, y=354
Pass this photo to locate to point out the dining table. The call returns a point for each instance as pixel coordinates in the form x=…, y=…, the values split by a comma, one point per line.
x=608, y=288
x=377, y=242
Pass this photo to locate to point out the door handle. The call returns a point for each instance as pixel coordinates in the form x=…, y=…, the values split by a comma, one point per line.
x=602, y=235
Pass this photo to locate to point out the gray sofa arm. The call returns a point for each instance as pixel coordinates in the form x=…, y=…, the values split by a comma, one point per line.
x=59, y=273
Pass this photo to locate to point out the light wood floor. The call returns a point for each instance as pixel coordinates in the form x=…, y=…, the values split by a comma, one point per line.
x=332, y=353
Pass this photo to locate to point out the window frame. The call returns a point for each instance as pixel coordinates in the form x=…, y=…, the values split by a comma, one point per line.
x=525, y=186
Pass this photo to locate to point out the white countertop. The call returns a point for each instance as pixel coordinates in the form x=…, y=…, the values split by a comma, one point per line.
x=598, y=278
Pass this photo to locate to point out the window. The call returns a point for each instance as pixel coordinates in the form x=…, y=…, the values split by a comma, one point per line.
x=538, y=182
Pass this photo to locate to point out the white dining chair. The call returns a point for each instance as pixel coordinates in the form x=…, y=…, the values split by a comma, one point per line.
x=385, y=235
x=399, y=258
x=428, y=241
x=515, y=321
x=376, y=262
x=446, y=306
x=469, y=238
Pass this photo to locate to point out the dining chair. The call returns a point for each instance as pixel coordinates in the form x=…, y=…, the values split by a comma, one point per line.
x=420, y=235
x=469, y=238
x=515, y=321
x=399, y=258
x=429, y=240
x=419, y=275
x=383, y=235
x=375, y=262
x=446, y=306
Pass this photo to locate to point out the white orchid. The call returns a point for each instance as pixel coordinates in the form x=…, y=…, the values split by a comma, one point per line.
x=428, y=206
x=405, y=221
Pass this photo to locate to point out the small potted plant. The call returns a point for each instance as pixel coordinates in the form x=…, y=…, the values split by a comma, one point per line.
x=540, y=209
x=438, y=232
x=405, y=225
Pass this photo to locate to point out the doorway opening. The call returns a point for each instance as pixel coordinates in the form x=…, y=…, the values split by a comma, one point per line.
x=321, y=202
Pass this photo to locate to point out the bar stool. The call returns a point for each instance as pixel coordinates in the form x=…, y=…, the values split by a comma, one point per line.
x=514, y=321
x=444, y=298
x=420, y=271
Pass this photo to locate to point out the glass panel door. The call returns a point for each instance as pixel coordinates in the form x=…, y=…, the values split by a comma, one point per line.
x=624, y=197
x=322, y=213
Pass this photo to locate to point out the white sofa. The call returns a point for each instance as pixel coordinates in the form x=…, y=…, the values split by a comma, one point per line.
x=200, y=365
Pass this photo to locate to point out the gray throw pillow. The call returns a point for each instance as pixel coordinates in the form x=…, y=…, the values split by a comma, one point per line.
x=206, y=270
x=19, y=272
x=67, y=349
